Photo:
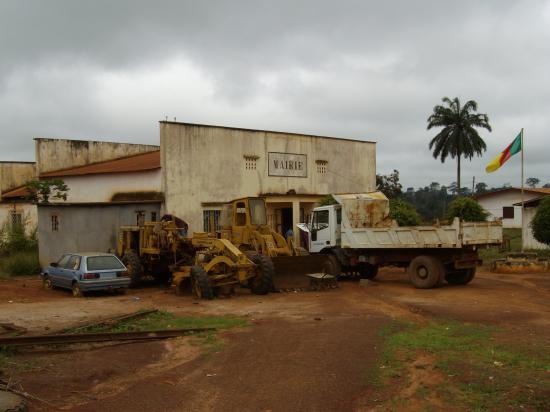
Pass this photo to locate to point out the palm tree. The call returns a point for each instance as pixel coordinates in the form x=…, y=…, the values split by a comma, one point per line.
x=459, y=136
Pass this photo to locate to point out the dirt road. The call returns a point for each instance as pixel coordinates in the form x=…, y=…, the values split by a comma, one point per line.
x=301, y=352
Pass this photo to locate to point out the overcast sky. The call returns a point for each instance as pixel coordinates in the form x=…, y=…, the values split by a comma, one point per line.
x=110, y=70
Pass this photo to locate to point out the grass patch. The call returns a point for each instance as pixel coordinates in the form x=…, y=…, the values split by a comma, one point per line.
x=19, y=263
x=479, y=373
x=166, y=320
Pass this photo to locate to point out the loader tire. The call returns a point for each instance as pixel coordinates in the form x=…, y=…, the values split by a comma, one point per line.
x=425, y=272
x=263, y=282
x=332, y=267
x=460, y=277
x=133, y=264
x=368, y=271
x=201, y=284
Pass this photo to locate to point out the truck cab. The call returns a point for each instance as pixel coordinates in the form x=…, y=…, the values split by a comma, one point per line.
x=324, y=228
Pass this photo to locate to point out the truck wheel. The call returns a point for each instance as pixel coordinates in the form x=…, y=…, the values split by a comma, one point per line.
x=460, y=277
x=133, y=264
x=263, y=282
x=201, y=284
x=332, y=267
x=368, y=271
x=425, y=272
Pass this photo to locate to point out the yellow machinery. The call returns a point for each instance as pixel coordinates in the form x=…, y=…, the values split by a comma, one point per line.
x=244, y=222
x=208, y=264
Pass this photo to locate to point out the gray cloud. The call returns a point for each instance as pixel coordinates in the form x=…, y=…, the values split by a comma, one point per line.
x=360, y=69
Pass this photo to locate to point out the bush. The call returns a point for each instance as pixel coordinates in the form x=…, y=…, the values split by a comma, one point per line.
x=21, y=263
x=541, y=222
x=466, y=209
x=404, y=213
x=327, y=201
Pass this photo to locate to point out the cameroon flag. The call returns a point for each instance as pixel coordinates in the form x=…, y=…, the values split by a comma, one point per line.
x=512, y=149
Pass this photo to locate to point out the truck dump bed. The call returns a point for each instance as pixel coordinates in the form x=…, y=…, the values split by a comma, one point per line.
x=366, y=224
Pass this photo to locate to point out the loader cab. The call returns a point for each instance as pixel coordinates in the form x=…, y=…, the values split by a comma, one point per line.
x=250, y=211
x=324, y=227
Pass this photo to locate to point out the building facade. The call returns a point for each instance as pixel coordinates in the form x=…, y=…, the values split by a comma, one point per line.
x=204, y=167
x=15, y=208
x=529, y=241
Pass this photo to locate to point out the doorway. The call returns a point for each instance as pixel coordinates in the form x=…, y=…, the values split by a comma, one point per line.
x=286, y=220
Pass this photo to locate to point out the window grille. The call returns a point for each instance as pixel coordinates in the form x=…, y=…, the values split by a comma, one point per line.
x=250, y=162
x=16, y=219
x=211, y=220
x=321, y=166
x=55, y=223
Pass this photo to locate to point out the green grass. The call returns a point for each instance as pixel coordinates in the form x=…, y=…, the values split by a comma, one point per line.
x=480, y=374
x=166, y=320
x=19, y=263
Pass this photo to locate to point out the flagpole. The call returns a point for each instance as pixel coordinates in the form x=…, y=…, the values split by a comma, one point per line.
x=522, y=200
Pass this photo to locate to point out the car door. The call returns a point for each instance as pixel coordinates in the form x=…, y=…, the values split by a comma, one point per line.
x=320, y=233
x=55, y=273
x=70, y=269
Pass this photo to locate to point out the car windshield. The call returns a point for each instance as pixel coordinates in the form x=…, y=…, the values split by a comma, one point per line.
x=104, y=263
x=257, y=212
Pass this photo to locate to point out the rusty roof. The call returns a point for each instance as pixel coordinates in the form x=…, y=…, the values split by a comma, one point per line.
x=541, y=190
x=134, y=163
x=20, y=191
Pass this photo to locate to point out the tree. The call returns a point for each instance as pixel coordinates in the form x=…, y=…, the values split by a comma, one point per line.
x=547, y=186
x=459, y=136
x=41, y=191
x=541, y=222
x=389, y=184
x=481, y=187
x=466, y=209
x=404, y=213
x=532, y=182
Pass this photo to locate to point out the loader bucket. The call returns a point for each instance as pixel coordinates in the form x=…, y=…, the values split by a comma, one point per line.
x=291, y=272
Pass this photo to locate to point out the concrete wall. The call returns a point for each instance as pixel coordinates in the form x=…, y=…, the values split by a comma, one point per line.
x=56, y=154
x=102, y=187
x=86, y=228
x=28, y=213
x=15, y=174
x=495, y=202
x=529, y=241
x=203, y=164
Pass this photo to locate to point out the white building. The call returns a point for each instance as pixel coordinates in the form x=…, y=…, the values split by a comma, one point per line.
x=205, y=166
x=529, y=241
x=15, y=208
x=505, y=203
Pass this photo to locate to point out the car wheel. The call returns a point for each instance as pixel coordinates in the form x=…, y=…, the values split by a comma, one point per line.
x=47, y=283
x=77, y=292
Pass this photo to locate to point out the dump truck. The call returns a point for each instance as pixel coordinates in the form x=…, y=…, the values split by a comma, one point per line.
x=358, y=236
x=203, y=263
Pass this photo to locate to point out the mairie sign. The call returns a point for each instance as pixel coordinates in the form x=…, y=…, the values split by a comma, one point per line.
x=287, y=164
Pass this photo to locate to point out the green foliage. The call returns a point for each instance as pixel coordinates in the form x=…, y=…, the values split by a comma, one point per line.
x=20, y=263
x=389, y=184
x=459, y=136
x=532, y=182
x=404, y=213
x=466, y=209
x=41, y=191
x=327, y=201
x=541, y=222
x=481, y=373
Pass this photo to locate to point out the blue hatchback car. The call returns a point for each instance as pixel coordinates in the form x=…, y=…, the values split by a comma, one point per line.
x=84, y=272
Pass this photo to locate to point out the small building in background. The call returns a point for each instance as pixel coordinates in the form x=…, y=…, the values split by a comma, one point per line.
x=505, y=203
x=528, y=240
x=15, y=208
x=122, y=188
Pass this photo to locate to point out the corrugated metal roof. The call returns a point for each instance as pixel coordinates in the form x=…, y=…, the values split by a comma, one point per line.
x=135, y=163
x=542, y=190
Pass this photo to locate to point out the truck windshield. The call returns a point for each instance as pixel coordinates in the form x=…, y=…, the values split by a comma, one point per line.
x=257, y=212
x=320, y=220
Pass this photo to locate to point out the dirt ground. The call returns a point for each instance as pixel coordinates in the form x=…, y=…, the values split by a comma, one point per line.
x=307, y=351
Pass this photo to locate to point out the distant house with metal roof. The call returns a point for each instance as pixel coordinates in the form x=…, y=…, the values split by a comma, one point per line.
x=505, y=203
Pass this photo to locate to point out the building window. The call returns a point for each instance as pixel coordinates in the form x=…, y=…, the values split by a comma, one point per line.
x=250, y=162
x=321, y=166
x=140, y=217
x=55, y=223
x=153, y=216
x=16, y=220
x=211, y=220
x=508, y=212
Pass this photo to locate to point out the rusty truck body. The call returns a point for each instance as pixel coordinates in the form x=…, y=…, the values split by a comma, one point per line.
x=358, y=236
